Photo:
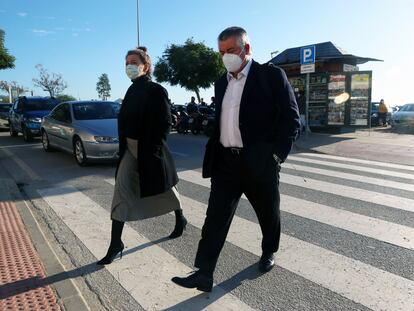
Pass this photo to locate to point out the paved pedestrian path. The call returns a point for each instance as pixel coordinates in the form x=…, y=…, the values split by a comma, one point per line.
x=23, y=284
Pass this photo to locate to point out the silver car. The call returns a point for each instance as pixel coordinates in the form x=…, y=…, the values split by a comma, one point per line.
x=88, y=129
x=404, y=118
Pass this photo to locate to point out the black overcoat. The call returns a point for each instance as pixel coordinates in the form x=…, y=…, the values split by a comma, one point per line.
x=145, y=115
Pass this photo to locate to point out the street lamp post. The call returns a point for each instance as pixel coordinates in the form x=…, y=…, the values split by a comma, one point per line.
x=138, y=20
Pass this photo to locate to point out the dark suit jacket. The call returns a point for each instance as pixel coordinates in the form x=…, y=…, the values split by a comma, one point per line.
x=269, y=120
x=145, y=115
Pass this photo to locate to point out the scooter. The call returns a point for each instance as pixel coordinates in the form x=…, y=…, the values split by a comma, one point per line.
x=183, y=124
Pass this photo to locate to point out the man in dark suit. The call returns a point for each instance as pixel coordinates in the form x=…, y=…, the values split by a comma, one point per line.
x=257, y=120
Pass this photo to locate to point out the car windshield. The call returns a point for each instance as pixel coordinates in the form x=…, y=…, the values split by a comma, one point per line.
x=5, y=108
x=95, y=110
x=409, y=107
x=375, y=107
x=37, y=105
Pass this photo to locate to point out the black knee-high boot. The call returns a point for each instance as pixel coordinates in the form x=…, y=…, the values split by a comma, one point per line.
x=180, y=224
x=116, y=245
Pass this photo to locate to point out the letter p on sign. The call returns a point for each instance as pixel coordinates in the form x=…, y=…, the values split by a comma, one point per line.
x=307, y=55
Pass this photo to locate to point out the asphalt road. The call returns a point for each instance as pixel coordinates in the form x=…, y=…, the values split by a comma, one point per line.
x=347, y=242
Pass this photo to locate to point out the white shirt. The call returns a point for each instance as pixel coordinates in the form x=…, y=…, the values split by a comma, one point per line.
x=230, y=135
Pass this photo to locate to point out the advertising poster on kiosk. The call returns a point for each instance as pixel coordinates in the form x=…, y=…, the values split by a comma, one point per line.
x=360, y=90
x=336, y=108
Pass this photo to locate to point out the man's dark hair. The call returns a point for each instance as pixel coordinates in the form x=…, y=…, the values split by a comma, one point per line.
x=234, y=31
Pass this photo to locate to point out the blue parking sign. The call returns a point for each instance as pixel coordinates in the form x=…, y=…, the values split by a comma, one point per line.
x=307, y=55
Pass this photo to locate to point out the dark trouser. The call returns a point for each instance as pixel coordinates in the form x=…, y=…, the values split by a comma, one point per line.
x=382, y=116
x=229, y=181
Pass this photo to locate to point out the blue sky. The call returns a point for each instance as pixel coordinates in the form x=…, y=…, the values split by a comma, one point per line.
x=83, y=39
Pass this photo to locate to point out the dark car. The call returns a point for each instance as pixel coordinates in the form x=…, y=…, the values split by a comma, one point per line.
x=26, y=115
x=4, y=115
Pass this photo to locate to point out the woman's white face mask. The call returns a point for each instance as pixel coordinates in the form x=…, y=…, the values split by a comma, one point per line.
x=134, y=71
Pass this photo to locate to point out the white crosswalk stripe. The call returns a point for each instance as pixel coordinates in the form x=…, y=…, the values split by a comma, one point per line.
x=362, y=283
x=375, y=228
x=359, y=161
x=350, y=192
x=354, y=167
x=372, y=287
x=146, y=273
x=353, y=177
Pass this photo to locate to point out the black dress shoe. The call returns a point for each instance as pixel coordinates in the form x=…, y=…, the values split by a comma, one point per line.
x=197, y=280
x=266, y=263
x=179, y=228
x=113, y=251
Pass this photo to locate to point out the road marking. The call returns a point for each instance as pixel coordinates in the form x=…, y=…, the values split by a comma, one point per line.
x=23, y=166
x=345, y=191
x=349, y=192
x=378, y=229
x=360, y=282
x=25, y=145
x=367, y=180
x=354, y=167
x=383, y=164
x=145, y=273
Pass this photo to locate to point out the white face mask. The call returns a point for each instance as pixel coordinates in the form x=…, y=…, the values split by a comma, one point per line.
x=134, y=71
x=232, y=62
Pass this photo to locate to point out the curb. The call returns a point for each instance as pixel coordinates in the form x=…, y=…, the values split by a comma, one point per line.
x=66, y=289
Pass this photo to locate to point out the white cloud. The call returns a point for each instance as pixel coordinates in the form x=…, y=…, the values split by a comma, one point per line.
x=46, y=17
x=22, y=14
x=42, y=32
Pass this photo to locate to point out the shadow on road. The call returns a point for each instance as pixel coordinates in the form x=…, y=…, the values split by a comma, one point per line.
x=203, y=300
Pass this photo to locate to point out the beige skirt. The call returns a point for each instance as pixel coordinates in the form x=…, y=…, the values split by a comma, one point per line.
x=127, y=204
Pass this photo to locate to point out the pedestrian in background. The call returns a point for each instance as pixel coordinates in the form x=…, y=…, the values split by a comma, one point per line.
x=213, y=102
x=257, y=120
x=383, y=112
x=146, y=175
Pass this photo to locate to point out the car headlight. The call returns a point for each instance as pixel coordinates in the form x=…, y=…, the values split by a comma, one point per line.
x=34, y=120
x=105, y=139
x=374, y=115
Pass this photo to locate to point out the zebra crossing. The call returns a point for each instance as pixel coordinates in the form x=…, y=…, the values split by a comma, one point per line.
x=330, y=257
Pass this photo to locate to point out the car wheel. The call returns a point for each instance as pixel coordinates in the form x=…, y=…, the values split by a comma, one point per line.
x=13, y=133
x=195, y=130
x=180, y=128
x=79, y=152
x=27, y=136
x=45, y=142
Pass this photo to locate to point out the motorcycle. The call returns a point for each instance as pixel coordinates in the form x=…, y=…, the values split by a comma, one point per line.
x=183, y=125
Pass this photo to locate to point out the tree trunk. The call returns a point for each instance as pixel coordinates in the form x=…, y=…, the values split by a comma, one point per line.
x=197, y=91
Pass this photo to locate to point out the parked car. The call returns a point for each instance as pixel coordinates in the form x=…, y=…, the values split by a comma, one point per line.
x=404, y=117
x=27, y=113
x=88, y=129
x=4, y=115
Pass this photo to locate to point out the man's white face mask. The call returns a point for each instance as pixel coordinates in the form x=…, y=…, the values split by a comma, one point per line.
x=232, y=62
x=134, y=71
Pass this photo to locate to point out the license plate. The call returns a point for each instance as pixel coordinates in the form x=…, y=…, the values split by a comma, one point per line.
x=205, y=122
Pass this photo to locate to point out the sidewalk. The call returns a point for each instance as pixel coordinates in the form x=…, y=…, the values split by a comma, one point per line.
x=28, y=267
x=379, y=144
